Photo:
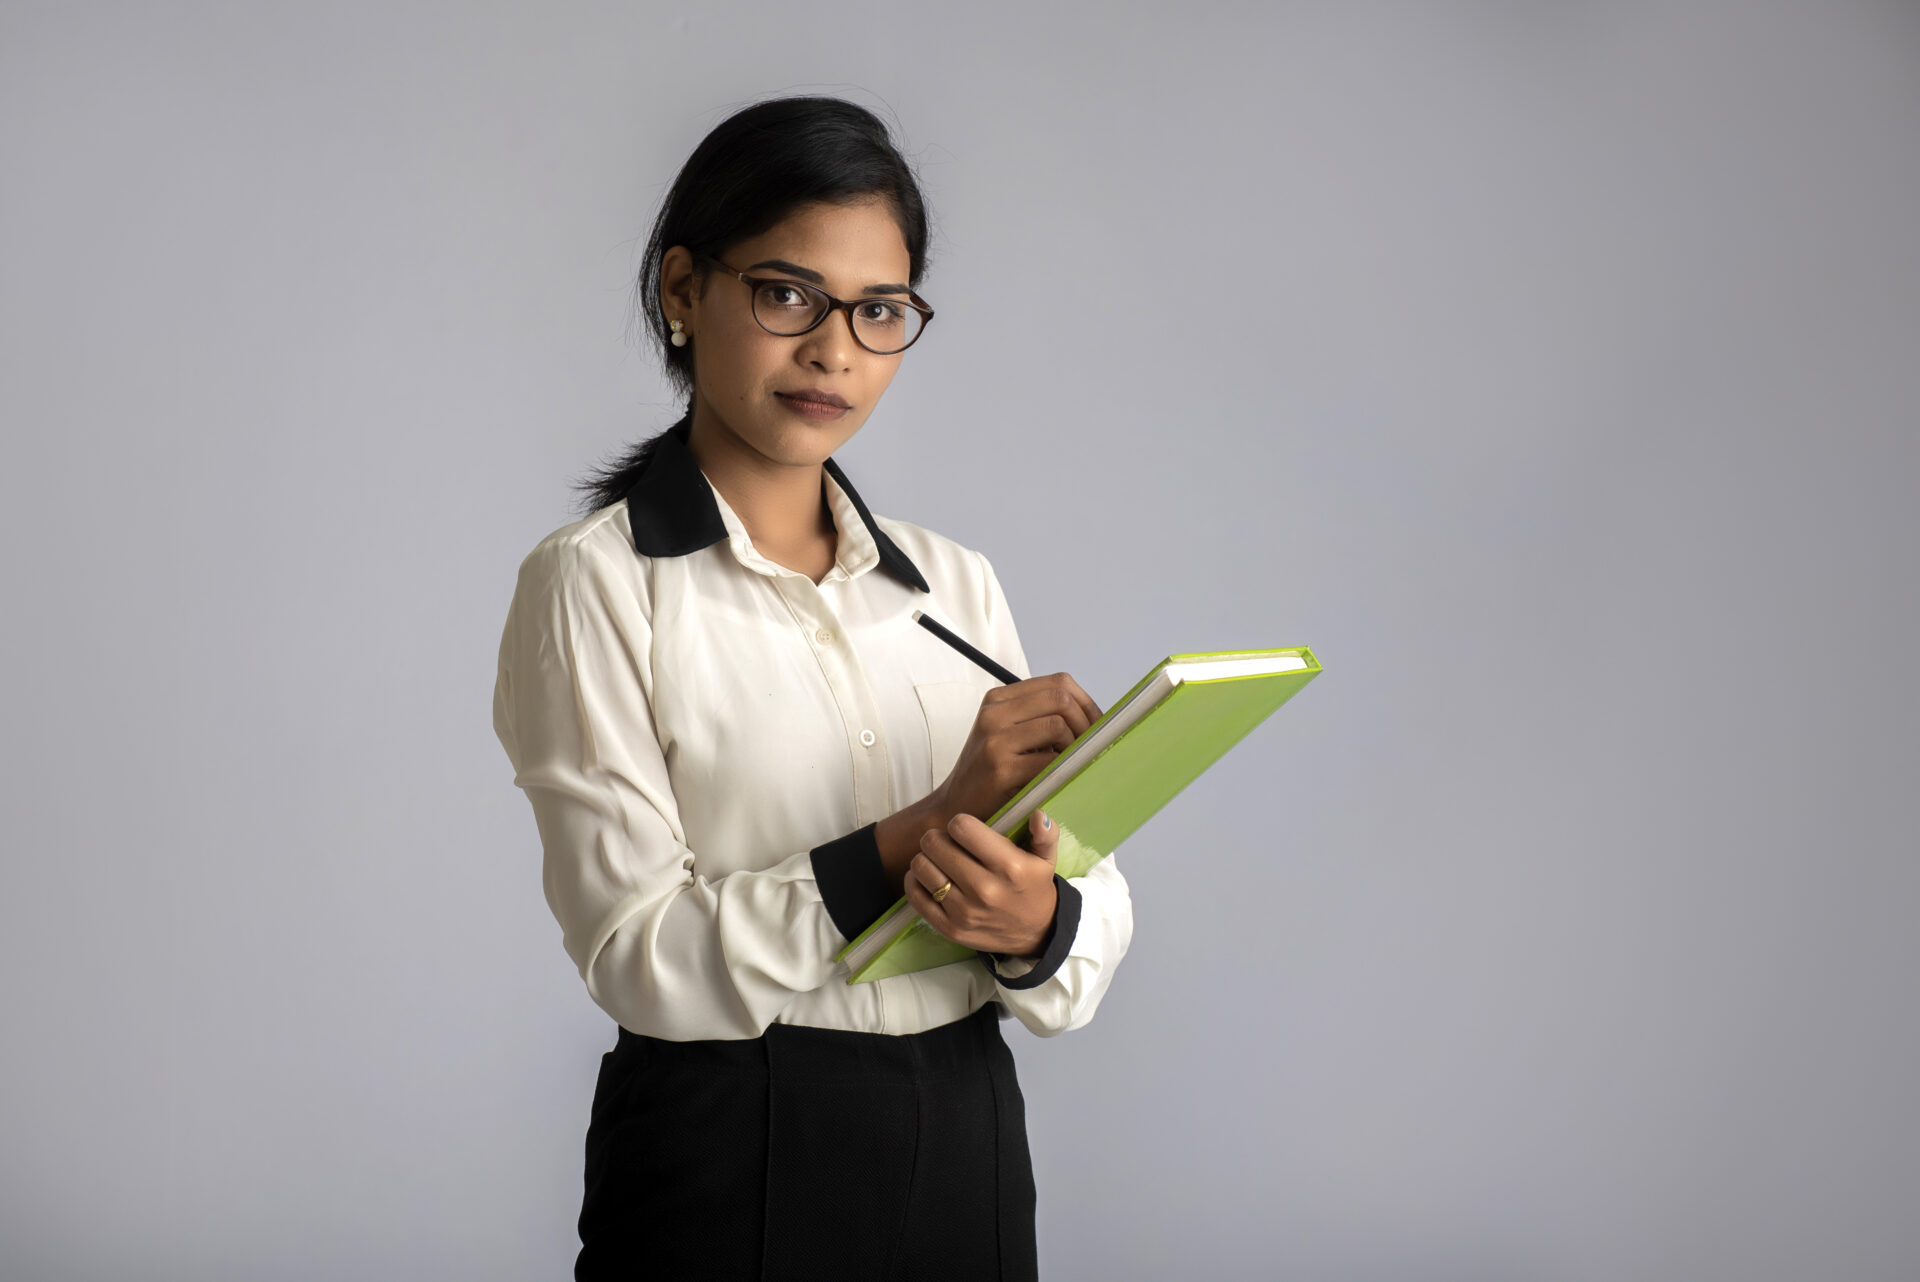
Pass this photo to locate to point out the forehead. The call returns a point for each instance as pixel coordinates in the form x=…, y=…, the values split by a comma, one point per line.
x=851, y=245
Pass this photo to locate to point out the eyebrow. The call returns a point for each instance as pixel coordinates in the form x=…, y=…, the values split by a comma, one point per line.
x=808, y=274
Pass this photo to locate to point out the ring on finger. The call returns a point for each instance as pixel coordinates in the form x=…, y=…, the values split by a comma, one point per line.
x=942, y=893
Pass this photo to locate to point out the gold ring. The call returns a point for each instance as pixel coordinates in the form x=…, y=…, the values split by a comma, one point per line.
x=941, y=893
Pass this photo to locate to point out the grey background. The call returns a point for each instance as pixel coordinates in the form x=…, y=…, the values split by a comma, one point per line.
x=1551, y=369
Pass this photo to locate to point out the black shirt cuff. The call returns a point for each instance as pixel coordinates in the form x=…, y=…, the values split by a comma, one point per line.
x=1053, y=949
x=852, y=882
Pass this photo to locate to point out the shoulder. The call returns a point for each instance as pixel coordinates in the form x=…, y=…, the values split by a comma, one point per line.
x=597, y=548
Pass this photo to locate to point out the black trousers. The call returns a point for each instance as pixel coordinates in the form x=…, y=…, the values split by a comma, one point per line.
x=810, y=1153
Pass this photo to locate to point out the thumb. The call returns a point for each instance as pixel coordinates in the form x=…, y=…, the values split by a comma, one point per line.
x=1045, y=835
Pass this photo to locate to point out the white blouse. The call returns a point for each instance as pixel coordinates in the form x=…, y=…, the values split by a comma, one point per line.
x=708, y=739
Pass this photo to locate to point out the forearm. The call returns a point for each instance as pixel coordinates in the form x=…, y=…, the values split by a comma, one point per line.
x=708, y=958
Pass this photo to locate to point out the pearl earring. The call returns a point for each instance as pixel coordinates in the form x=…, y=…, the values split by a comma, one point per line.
x=679, y=339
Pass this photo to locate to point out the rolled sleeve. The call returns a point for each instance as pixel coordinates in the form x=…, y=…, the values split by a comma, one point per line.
x=663, y=949
x=852, y=880
x=1076, y=972
x=1021, y=972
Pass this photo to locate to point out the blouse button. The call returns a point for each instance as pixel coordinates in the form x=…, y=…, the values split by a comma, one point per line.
x=866, y=737
x=824, y=636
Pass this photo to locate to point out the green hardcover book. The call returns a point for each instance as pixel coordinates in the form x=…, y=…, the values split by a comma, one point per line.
x=1176, y=722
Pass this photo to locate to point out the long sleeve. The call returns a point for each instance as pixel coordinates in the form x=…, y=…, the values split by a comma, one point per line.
x=1094, y=924
x=664, y=950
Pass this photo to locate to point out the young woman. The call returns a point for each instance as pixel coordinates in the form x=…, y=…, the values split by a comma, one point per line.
x=740, y=749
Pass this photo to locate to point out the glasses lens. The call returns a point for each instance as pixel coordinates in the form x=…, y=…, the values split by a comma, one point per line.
x=785, y=307
x=885, y=324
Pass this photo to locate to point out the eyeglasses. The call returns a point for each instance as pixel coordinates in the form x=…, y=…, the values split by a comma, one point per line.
x=884, y=326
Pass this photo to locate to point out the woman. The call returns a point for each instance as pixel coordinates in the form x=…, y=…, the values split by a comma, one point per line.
x=740, y=749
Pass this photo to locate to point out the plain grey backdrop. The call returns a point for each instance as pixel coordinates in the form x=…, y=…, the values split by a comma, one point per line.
x=1551, y=369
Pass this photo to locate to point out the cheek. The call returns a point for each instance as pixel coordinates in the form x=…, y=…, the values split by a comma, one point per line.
x=879, y=380
x=737, y=369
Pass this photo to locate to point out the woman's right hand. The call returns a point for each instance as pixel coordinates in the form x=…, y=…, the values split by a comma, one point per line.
x=1018, y=730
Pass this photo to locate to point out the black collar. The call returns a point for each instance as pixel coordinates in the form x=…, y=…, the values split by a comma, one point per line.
x=672, y=511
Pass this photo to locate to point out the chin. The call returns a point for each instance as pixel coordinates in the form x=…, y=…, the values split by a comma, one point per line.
x=812, y=442
x=794, y=445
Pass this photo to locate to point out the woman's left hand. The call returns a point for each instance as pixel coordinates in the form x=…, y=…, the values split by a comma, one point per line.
x=1003, y=897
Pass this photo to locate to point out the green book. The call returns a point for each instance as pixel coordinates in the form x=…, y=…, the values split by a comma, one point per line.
x=1176, y=721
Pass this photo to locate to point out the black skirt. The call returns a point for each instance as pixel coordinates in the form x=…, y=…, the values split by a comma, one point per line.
x=810, y=1153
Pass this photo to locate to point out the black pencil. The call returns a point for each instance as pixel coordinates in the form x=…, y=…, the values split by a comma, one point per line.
x=964, y=648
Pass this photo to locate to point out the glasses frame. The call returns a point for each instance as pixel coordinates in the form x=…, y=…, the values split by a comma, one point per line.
x=753, y=284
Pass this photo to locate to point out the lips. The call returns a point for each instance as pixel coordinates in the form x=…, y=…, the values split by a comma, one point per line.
x=818, y=395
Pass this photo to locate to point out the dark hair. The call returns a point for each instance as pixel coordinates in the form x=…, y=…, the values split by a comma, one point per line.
x=756, y=167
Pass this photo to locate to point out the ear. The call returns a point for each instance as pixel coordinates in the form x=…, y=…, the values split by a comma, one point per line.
x=677, y=282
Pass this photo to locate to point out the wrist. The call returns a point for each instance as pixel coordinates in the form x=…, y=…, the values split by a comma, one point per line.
x=1037, y=943
x=1045, y=935
x=898, y=836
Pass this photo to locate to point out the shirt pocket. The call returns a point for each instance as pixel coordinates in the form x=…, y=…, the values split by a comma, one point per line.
x=950, y=708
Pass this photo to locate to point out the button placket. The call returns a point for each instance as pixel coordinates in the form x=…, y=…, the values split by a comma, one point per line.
x=859, y=711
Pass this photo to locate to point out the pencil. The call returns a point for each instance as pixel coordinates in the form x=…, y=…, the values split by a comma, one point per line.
x=964, y=648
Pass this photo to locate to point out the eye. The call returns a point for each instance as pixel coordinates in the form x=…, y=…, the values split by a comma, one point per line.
x=781, y=294
x=883, y=313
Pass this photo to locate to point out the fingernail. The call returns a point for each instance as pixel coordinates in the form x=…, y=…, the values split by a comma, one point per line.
x=1046, y=820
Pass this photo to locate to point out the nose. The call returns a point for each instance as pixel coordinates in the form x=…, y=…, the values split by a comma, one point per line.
x=830, y=344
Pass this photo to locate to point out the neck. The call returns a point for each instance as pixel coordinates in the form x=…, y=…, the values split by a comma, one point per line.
x=783, y=505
